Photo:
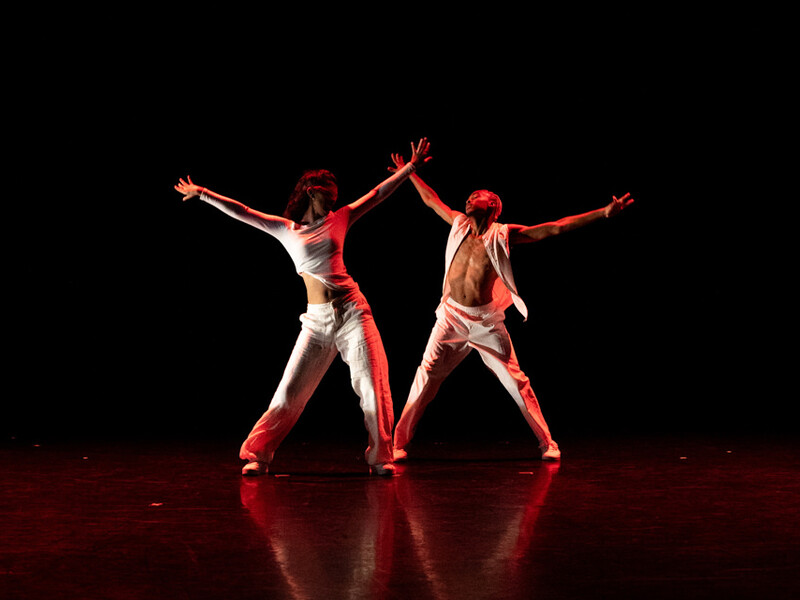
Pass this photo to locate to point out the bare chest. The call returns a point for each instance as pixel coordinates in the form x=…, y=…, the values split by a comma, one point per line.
x=471, y=261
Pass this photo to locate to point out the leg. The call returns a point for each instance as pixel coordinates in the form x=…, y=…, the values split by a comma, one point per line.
x=361, y=347
x=445, y=350
x=310, y=359
x=497, y=352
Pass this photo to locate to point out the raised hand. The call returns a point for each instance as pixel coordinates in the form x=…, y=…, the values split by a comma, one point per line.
x=398, y=161
x=618, y=204
x=419, y=154
x=188, y=189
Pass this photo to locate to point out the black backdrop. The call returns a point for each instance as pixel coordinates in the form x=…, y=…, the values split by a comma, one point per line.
x=133, y=314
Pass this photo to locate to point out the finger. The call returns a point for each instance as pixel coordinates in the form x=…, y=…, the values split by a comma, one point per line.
x=626, y=196
x=189, y=177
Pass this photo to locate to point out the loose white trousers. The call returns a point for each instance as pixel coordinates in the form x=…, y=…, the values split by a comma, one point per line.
x=459, y=330
x=345, y=327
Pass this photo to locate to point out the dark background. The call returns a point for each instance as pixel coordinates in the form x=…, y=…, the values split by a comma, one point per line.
x=132, y=314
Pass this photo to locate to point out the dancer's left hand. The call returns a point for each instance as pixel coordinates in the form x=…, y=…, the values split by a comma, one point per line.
x=188, y=189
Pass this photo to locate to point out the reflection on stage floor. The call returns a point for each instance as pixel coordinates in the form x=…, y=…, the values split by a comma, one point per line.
x=692, y=517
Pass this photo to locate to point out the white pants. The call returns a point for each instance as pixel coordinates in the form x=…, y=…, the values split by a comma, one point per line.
x=346, y=327
x=459, y=330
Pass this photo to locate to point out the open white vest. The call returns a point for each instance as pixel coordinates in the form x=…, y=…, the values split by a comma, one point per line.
x=495, y=240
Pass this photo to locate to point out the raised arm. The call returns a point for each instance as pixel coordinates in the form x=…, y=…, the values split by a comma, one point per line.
x=428, y=195
x=520, y=234
x=419, y=156
x=269, y=223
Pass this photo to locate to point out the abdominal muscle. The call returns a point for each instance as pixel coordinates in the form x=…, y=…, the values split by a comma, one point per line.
x=318, y=292
x=471, y=275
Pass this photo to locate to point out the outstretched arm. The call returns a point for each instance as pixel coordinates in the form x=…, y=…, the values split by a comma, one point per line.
x=428, y=195
x=231, y=207
x=419, y=156
x=519, y=234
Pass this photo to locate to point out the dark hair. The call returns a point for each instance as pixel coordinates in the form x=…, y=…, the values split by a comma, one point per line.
x=298, y=199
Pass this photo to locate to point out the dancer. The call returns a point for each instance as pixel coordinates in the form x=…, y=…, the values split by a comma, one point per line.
x=338, y=318
x=478, y=287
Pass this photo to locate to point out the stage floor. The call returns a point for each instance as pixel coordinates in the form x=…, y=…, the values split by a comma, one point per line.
x=663, y=517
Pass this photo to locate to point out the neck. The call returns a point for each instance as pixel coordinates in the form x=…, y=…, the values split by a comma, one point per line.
x=313, y=213
x=479, y=226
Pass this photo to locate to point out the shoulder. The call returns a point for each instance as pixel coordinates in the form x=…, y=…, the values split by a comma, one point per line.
x=344, y=213
x=459, y=219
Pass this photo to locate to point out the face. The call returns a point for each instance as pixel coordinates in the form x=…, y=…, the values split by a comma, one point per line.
x=479, y=204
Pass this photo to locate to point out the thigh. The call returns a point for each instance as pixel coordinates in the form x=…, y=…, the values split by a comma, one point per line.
x=310, y=358
x=447, y=346
x=491, y=338
x=359, y=341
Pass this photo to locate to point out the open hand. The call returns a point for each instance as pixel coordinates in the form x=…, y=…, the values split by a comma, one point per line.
x=419, y=154
x=188, y=189
x=398, y=161
x=618, y=204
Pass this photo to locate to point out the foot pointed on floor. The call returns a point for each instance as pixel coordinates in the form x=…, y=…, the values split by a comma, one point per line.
x=254, y=468
x=550, y=451
x=384, y=470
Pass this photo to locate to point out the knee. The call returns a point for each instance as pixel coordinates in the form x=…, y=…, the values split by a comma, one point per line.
x=432, y=367
x=285, y=402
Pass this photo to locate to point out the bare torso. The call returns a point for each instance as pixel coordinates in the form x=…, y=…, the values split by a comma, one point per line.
x=318, y=292
x=471, y=276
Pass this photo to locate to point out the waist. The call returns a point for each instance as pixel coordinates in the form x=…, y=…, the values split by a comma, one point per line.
x=475, y=311
x=346, y=297
x=322, y=291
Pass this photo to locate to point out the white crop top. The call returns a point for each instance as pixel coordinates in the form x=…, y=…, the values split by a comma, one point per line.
x=316, y=248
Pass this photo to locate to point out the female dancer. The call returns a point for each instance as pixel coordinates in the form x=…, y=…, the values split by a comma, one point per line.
x=338, y=318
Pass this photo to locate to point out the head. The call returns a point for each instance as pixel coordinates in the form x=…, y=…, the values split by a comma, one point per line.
x=485, y=202
x=317, y=186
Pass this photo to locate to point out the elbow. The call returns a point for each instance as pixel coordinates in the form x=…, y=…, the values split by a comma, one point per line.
x=553, y=229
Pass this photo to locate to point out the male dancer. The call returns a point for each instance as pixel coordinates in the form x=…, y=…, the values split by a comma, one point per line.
x=478, y=287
